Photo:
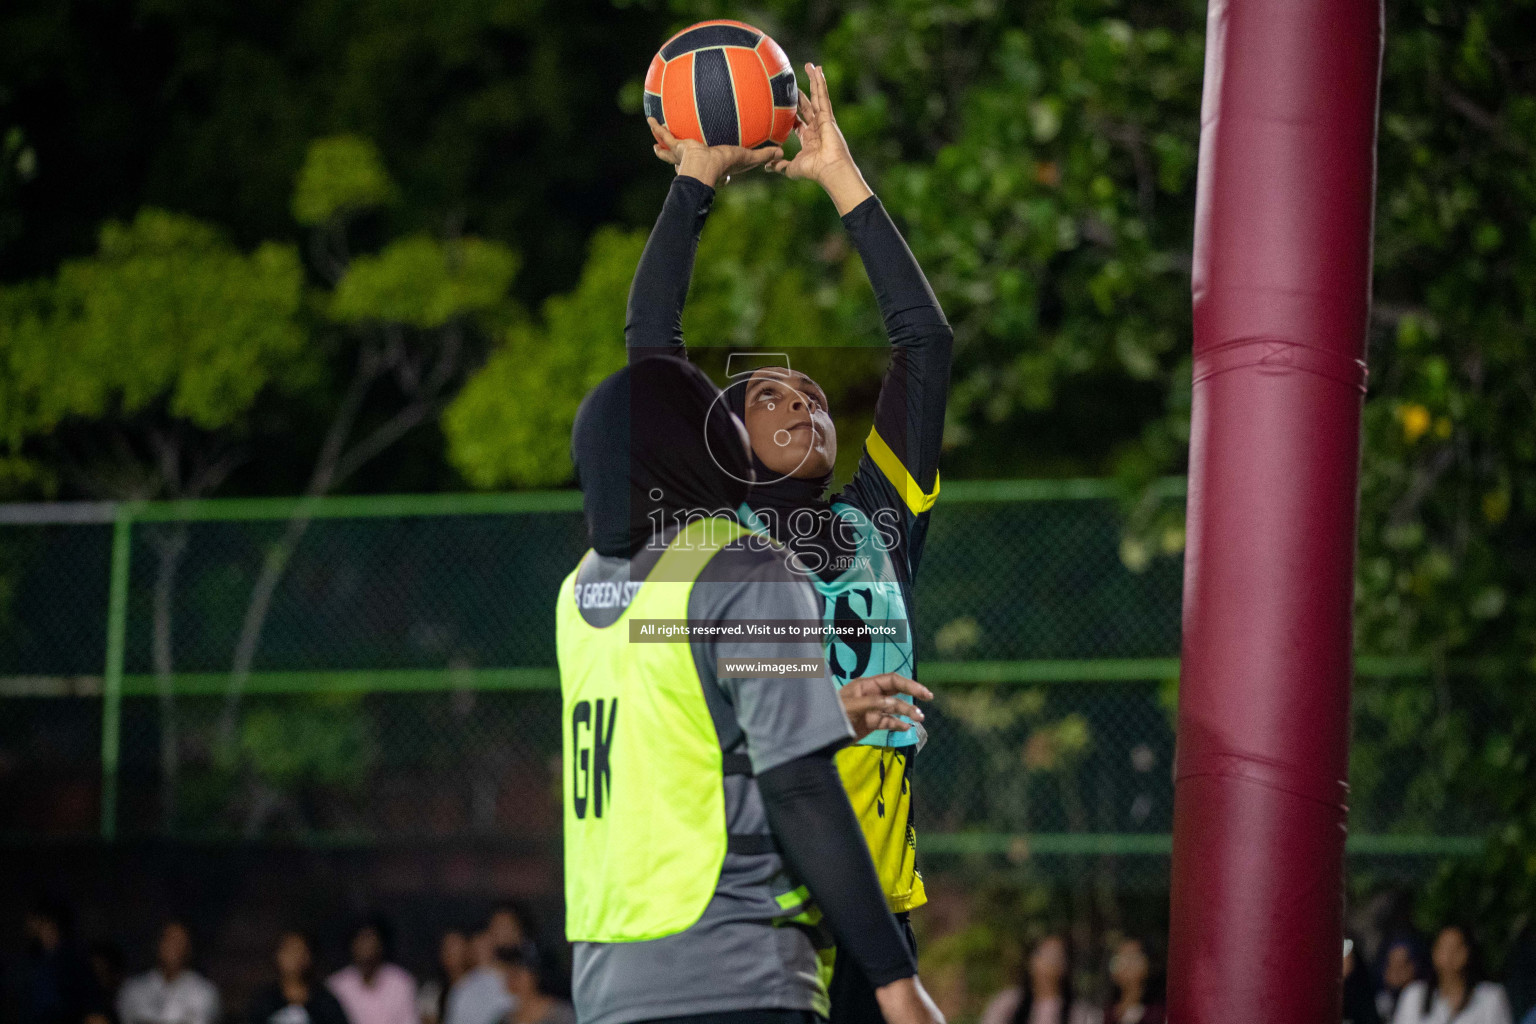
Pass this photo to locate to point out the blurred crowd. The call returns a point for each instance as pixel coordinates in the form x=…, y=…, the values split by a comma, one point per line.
x=1408, y=987
x=1440, y=982
x=491, y=972
x=496, y=971
x=1046, y=989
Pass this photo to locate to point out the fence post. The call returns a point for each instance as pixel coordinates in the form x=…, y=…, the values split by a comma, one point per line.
x=112, y=675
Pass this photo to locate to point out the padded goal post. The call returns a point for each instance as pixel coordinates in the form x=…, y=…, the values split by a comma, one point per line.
x=1281, y=283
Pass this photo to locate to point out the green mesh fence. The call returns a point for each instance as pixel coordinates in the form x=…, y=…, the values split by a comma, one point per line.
x=400, y=684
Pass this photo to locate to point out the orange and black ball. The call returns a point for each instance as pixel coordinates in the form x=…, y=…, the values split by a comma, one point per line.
x=723, y=83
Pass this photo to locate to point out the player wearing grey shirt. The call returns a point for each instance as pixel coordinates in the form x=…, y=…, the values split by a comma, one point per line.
x=647, y=445
x=773, y=721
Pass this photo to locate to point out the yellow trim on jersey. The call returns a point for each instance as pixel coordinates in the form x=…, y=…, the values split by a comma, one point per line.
x=899, y=476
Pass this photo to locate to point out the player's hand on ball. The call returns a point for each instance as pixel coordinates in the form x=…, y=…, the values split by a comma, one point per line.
x=822, y=146
x=824, y=157
x=871, y=703
x=713, y=165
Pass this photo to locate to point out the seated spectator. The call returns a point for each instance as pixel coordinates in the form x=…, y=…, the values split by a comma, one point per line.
x=1359, y=999
x=481, y=996
x=172, y=993
x=1135, y=988
x=53, y=983
x=524, y=972
x=453, y=962
x=371, y=989
x=1455, y=989
x=295, y=998
x=106, y=964
x=1520, y=973
x=1401, y=965
x=1044, y=993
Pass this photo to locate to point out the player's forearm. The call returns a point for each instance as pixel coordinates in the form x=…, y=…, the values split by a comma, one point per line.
x=912, y=314
x=814, y=825
x=654, y=320
x=909, y=414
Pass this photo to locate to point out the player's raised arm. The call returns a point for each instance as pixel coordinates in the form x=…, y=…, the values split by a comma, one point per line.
x=900, y=468
x=653, y=324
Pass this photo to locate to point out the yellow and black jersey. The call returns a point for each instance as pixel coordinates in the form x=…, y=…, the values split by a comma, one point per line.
x=878, y=771
x=880, y=790
x=864, y=544
x=887, y=503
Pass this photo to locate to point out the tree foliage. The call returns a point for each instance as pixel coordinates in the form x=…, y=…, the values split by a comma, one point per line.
x=424, y=283
x=160, y=348
x=1042, y=157
x=341, y=175
x=1039, y=153
x=1448, y=506
x=494, y=116
x=167, y=313
x=512, y=423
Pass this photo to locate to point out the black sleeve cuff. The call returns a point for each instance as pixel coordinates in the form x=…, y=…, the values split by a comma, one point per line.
x=861, y=213
x=688, y=184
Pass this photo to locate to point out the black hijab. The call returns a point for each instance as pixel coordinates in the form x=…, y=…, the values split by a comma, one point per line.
x=650, y=442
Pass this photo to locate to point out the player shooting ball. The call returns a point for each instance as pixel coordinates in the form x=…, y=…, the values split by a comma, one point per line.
x=861, y=546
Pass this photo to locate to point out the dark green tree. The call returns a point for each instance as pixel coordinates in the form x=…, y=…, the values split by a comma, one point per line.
x=140, y=372
x=1042, y=157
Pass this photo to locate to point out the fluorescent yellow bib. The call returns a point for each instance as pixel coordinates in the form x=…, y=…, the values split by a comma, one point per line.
x=645, y=829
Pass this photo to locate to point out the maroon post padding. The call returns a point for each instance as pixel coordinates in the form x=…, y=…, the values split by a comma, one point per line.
x=1282, y=272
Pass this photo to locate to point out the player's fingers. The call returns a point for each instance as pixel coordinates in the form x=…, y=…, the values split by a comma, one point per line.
x=741, y=156
x=790, y=167
x=805, y=114
x=746, y=159
x=902, y=684
x=874, y=721
x=865, y=686
x=664, y=154
x=892, y=682
x=859, y=706
x=663, y=136
x=893, y=706
x=813, y=85
x=823, y=96
x=761, y=157
x=869, y=709
x=861, y=687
